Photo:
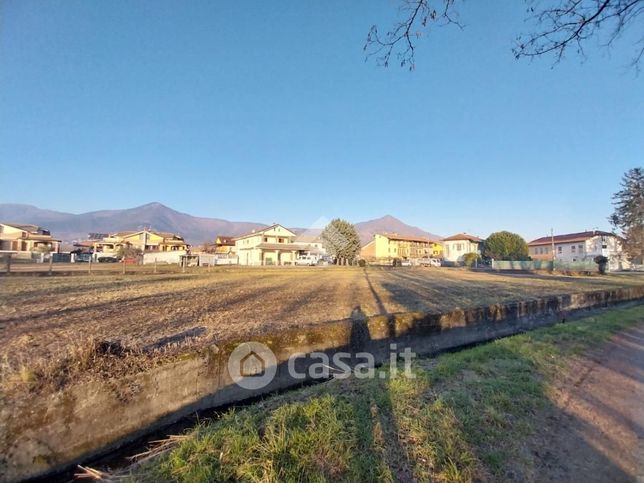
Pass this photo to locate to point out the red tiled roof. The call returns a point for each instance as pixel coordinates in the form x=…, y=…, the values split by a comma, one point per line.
x=463, y=236
x=569, y=238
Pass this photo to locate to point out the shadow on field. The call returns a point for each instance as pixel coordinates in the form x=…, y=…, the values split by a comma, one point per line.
x=570, y=279
x=412, y=292
x=487, y=417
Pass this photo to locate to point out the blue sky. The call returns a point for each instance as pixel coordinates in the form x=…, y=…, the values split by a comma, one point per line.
x=266, y=111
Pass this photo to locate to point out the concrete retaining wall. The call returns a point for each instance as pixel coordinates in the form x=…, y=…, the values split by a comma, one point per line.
x=84, y=420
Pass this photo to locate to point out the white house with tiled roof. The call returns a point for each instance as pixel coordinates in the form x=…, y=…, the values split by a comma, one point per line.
x=456, y=246
x=580, y=247
x=274, y=245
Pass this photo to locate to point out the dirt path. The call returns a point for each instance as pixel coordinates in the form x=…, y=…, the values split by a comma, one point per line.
x=597, y=431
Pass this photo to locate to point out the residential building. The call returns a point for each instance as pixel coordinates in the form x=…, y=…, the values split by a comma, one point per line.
x=387, y=246
x=580, y=247
x=274, y=245
x=27, y=238
x=225, y=245
x=312, y=242
x=144, y=240
x=455, y=246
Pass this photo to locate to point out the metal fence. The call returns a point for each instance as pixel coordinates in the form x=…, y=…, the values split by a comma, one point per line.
x=582, y=266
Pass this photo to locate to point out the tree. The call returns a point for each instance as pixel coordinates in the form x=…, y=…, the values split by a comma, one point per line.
x=128, y=251
x=558, y=25
x=628, y=216
x=341, y=240
x=505, y=245
x=602, y=263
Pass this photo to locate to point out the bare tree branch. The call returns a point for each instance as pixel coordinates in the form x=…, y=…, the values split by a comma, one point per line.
x=400, y=40
x=558, y=26
x=570, y=23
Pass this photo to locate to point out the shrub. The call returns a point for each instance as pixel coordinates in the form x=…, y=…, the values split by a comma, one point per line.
x=602, y=263
x=469, y=259
x=362, y=262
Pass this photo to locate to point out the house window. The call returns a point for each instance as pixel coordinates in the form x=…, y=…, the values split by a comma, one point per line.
x=581, y=248
x=265, y=239
x=280, y=240
x=559, y=249
x=572, y=248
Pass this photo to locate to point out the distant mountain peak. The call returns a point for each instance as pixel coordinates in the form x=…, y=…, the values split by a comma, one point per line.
x=389, y=224
x=385, y=218
x=155, y=205
x=158, y=216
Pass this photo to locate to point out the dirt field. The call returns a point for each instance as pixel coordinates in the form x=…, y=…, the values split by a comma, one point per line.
x=597, y=429
x=43, y=318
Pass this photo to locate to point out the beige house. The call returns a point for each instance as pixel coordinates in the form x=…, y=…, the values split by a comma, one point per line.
x=225, y=245
x=26, y=238
x=143, y=240
x=387, y=246
x=455, y=246
x=274, y=245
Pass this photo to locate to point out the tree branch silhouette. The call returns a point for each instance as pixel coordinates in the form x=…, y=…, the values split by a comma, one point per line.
x=558, y=25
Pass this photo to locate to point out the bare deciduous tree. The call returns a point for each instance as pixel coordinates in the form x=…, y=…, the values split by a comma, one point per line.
x=559, y=25
x=417, y=15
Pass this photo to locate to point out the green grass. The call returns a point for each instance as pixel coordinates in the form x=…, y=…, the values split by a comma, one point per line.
x=462, y=418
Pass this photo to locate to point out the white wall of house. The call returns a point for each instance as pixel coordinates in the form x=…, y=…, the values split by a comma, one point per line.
x=585, y=250
x=610, y=247
x=454, y=250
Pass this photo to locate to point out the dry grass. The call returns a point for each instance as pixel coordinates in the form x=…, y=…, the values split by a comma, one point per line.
x=54, y=328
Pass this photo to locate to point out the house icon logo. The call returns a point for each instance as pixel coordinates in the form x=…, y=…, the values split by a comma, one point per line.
x=252, y=365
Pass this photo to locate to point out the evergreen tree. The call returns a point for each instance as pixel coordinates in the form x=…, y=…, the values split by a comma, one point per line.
x=628, y=216
x=341, y=240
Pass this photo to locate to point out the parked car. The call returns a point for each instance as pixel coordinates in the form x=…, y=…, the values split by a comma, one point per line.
x=129, y=260
x=107, y=259
x=429, y=262
x=405, y=263
x=309, y=260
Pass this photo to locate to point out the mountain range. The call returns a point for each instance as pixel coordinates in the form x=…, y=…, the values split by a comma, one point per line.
x=69, y=227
